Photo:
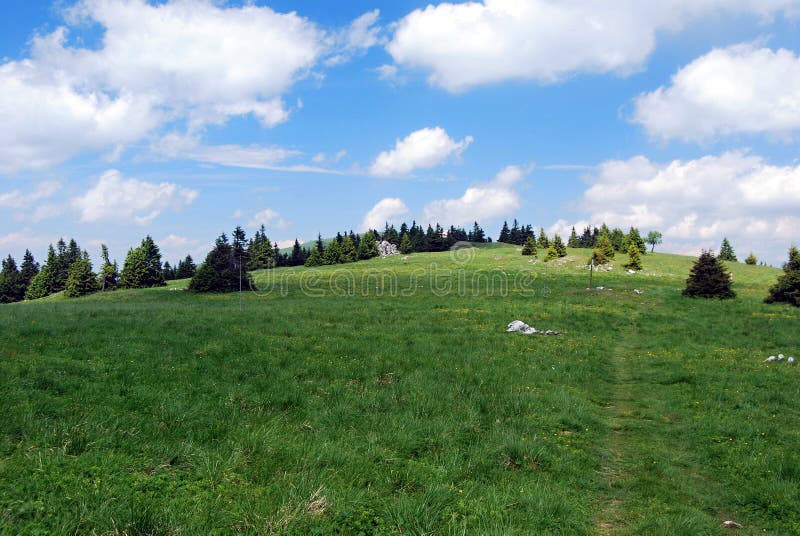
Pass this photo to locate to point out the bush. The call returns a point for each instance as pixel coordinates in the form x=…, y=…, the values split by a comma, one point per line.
x=708, y=279
x=787, y=288
x=635, y=258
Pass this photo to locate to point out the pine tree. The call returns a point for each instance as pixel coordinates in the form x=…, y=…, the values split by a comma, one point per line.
x=12, y=288
x=48, y=282
x=405, y=244
x=59, y=267
x=787, y=288
x=726, y=251
x=168, y=272
x=186, y=268
x=529, y=248
x=368, y=248
x=320, y=245
x=636, y=239
x=81, y=280
x=559, y=246
x=708, y=279
x=348, y=250
x=38, y=286
x=586, y=238
x=573, y=241
x=29, y=268
x=298, y=257
x=315, y=258
x=220, y=271
x=142, y=267
x=109, y=273
x=617, y=239
x=544, y=243
x=603, y=251
x=477, y=233
x=751, y=259
x=634, y=258
x=332, y=253
x=505, y=233
x=551, y=253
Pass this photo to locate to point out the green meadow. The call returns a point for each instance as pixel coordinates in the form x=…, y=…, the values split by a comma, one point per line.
x=385, y=397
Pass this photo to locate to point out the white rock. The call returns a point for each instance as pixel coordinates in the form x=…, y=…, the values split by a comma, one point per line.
x=637, y=291
x=780, y=357
x=790, y=360
x=600, y=288
x=770, y=359
x=631, y=271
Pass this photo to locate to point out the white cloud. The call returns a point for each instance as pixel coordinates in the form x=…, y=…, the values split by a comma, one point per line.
x=739, y=89
x=362, y=34
x=268, y=218
x=481, y=202
x=386, y=210
x=422, y=149
x=116, y=198
x=20, y=200
x=696, y=203
x=468, y=44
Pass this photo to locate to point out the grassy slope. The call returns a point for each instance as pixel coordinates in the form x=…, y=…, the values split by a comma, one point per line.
x=397, y=402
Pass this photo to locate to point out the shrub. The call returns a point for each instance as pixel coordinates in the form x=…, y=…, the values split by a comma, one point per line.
x=708, y=279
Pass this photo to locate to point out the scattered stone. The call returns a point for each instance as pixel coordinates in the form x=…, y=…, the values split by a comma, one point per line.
x=521, y=327
x=731, y=525
x=631, y=271
x=790, y=360
x=780, y=357
x=770, y=359
x=600, y=288
x=637, y=291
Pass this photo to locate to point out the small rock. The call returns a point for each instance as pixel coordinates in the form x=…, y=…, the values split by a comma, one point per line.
x=731, y=525
x=601, y=288
x=631, y=271
x=780, y=357
x=637, y=291
x=770, y=359
x=790, y=360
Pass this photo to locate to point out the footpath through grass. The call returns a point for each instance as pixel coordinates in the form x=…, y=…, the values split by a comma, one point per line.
x=376, y=399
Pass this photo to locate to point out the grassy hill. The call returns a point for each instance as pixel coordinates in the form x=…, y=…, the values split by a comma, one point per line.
x=385, y=396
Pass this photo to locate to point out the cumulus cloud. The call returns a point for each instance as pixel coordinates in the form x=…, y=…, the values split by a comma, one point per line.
x=201, y=62
x=386, y=210
x=484, y=201
x=115, y=198
x=739, y=89
x=468, y=44
x=695, y=203
x=422, y=149
x=268, y=218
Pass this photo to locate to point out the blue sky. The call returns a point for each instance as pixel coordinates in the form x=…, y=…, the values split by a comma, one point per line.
x=182, y=119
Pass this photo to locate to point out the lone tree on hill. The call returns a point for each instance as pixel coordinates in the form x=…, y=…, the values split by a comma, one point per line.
x=529, y=248
x=80, y=279
x=787, y=288
x=751, y=259
x=726, y=251
x=634, y=258
x=708, y=279
x=654, y=239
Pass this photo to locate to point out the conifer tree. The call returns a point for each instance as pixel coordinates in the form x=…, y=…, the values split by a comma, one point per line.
x=405, y=244
x=573, y=241
x=332, y=253
x=109, y=273
x=787, y=288
x=726, y=251
x=80, y=280
x=529, y=248
x=551, y=253
x=38, y=285
x=604, y=251
x=477, y=233
x=186, y=268
x=636, y=239
x=634, y=258
x=220, y=271
x=505, y=233
x=298, y=257
x=559, y=246
x=586, y=238
x=543, y=243
x=320, y=245
x=368, y=248
x=348, y=250
x=48, y=282
x=751, y=259
x=142, y=267
x=315, y=258
x=28, y=268
x=12, y=288
x=617, y=239
x=708, y=279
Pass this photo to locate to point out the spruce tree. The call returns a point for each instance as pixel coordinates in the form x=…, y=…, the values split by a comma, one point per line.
x=220, y=271
x=708, y=279
x=142, y=267
x=551, y=253
x=12, y=288
x=108, y=279
x=505, y=233
x=80, y=280
x=617, y=239
x=604, y=251
x=348, y=250
x=787, y=288
x=634, y=258
x=636, y=239
x=38, y=285
x=405, y=244
x=186, y=268
x=573, y=241
x=332, y=253
x=544, y=243
x=28, y=268
x=726, y=251
x=559, y=246
x=529, y=248
x=368, y=248
x=315, y=258
x=751, y=259
x=298, y=258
